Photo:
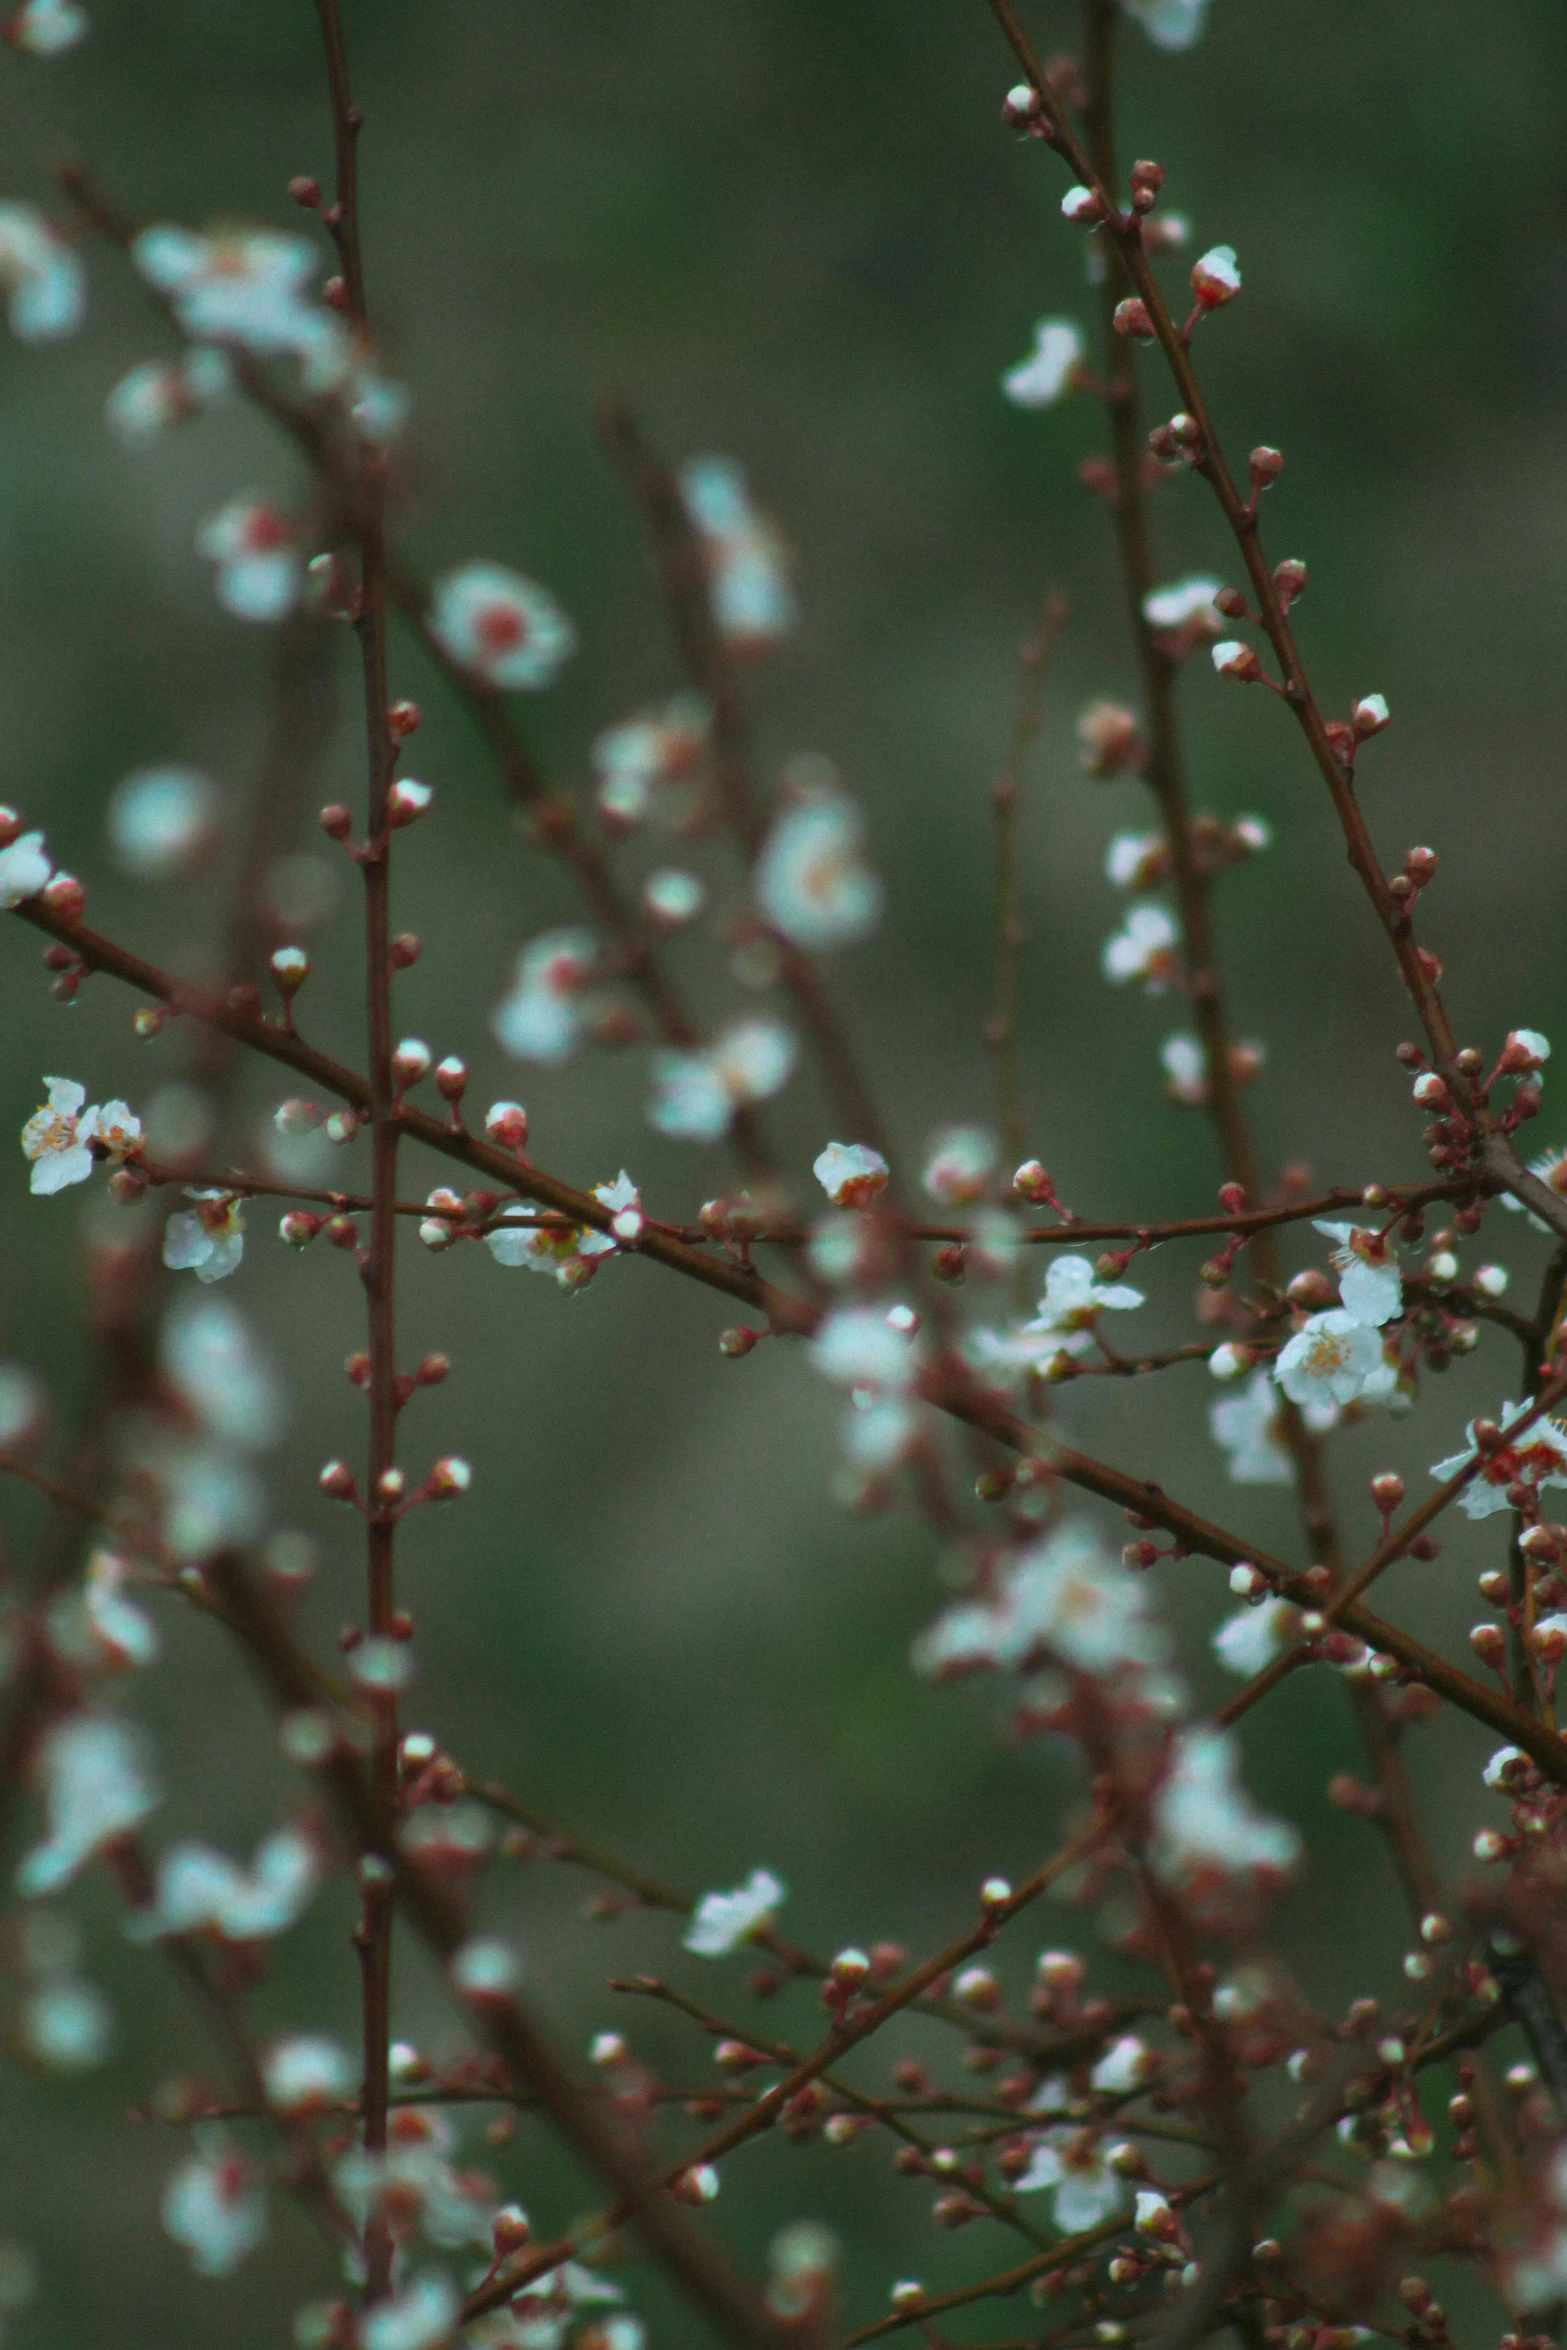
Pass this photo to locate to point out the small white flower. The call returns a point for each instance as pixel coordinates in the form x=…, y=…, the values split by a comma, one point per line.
x=722, y=1921
x=1143, y=948
x=1170, y=24
x=1367, y=1266
x=420, y=2316
x=503, y=629
x=199, y=1889
x=1246, y=1427
x=542, y=1018
x=55, y=1137
x=650, y=764
x=250, y=287
x=857, y=1346
x=160, y=821
x=24, y=869
x=67, y=2024
x=1136, y=860
x=98, y=1629
x=748, y=570
x=1186, y=605
x=1087, y=2190
x=1254, y=1636
x=851, y=1173
x=1204, y=1820
x=159, y=393
x=44, y=282
x=1539, y=1458
x=47, y=28
x=208, y=1239
x=1051, y=369
x=1072, y=1302
x=307, y=2072
x=1331, y=1359
x=216, y=2209
x=1125, y=2065
x=962, y=1166
x=695, y=1095
x=98, y=1784
x=626, y=1201
x=257, y=559
x=812, y=881
x=1497, y=1770
x=1185, y=1068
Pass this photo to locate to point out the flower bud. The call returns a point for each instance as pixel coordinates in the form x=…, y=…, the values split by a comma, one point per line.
x=1082, y=206
x=64, y=894
x=1132, y=320
x=1215, y=277
x=995, y=1893
x=450, y=1477
x=1489, y=1846
x=849, y=1969
x=698, y=2185
x=127, y=1185
x=978, y=1988
x=1289, y=579
x=1264, y=466
x=737, y=1341
x=402, y=719
x=509, y=2230
x=337, y=1479
x=1369, y=716
x=299, y=1228
x=1246, y=1582
x=410, y=1062
x=1488, y=1645
x=407, y=801
x=451, y=1078
x=1387, y=1491
x=1020, y=105
x=290, y=968
x=506, y=1123
x=336, y=821
x=1233, y=659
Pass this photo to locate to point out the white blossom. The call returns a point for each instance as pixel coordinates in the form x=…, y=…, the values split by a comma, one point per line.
x=1125, y=2065
x=158, y=393
x=42, y=276
x=306, y=2072
x=1333, y=1358
x=250, y=288
x=47, y=28
x=1204, y=1820
x=55, y=1137
x=1216, y=279
x=1072, y=1303
x=1087, y=2190
x=24, y=870
x=1185, y=1068
x=851, y=1173
x=256, y=557
x=674, y=896
x=1170, y=24
x=812, y=881
x=421, y=2315
x=962, y=1166
x=1065, y=1596
x=722, y=1921
x=505, y=630
x=1051, y=368
x=648, y=764
x=1135, y=860
x=696, y=1094
x=96, y=1628
x=160, y=821
x=208, y=1239
x=1367, y=1267
x=210, y=1352
x=67, y=2024
x=1254, y=1636
x=216, y=2209
x=1186, y=604
x=98, y=1783
x=857, y=1346
x=1143, y=948
x=199, y=1889
x=748, y=570
x=1246, y=1427
x=1537, y=1459
x=542, y=1018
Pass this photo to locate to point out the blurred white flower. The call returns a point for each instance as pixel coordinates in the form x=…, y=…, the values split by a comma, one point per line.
x=542, y=1017
x=421, y=2315
x=67, y=2024
x=24, y=869
x=748, y=571
x=962, y=1166
x=256, y=557
x=1254, y=1636
x=505, y=630
x=722, y=1921
x=1246, y=1427
x=1204, y=1820
x=1087, y=2190
x=199, y=1889
x=216, y=2209
x=695, y=1095
x=857, y=1346
x=210, y=1352
x=158, y=393
x=1051, y=368
x=306, y=2072
x=250, y=287
x=1143, y=948
x=43, y=279
x=47, y=28
x=812, y=881
x=1187, y=604
x=161, y=820
x=851, y=1173
x=1170, y=24
x=648, y=764
x=98, y=1783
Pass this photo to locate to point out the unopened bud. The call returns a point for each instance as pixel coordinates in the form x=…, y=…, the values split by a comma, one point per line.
x=337, y=1479
x=290, y=968
x=737, y=1341
x=1215, y=277
x=402, y=719
x=1289, y=579
x=509, y=2230
x=410, y=1062
x=1369, y=716
x=1233, y=659
x=336, y=820
x=1020, y=105
x=1082, y=206
x=450, y=1477
x=451, y=1077
x=506, y=1123
x=1488, y=1645
x=1387, y=1491
x=1264, y=466
x=404, y=950
x=299, y=1228
x=407, y=801
x=1132, y=320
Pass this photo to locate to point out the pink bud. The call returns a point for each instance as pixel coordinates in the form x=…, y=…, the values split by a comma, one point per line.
x=451, y=1077
x=737, y=1341
x=337, y=1479
x=1233, y=659
x=1264, y=465
x=336, y=821
x=1132, y=319
x=506, y=1123
x=1082, y=205
x=1215, y=277
x=64, y=895
x=1369, y=716
x=10, y=826
x=402, y=719
x=449, y=1479
x=410, y=1062
x=407, y=801
x=299, y=1228
x=403, y=950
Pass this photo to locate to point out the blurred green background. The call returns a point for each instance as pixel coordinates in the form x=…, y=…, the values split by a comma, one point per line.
x=795, y=233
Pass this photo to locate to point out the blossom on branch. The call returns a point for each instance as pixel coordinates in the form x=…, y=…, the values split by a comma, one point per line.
x=1051, y=370
x=1145, y=947
x=163, y=392
x=1367, y=1267
x=43, y=279
x=1072, y=1302
x=812, y=881
x=58, y=1138
x=214, y=2206
x=1332, y=1358
x=720, y=1922
x=696, y=1095
x=747, y=561
x=256, y=554
x=24, y=870
x=1087, y=2190
x=1537, y=1458
x=250, y=288
x=542, y=1018
x=98, y=1784
x=851, y=1173
x=208, y=1239
x=505, y=630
